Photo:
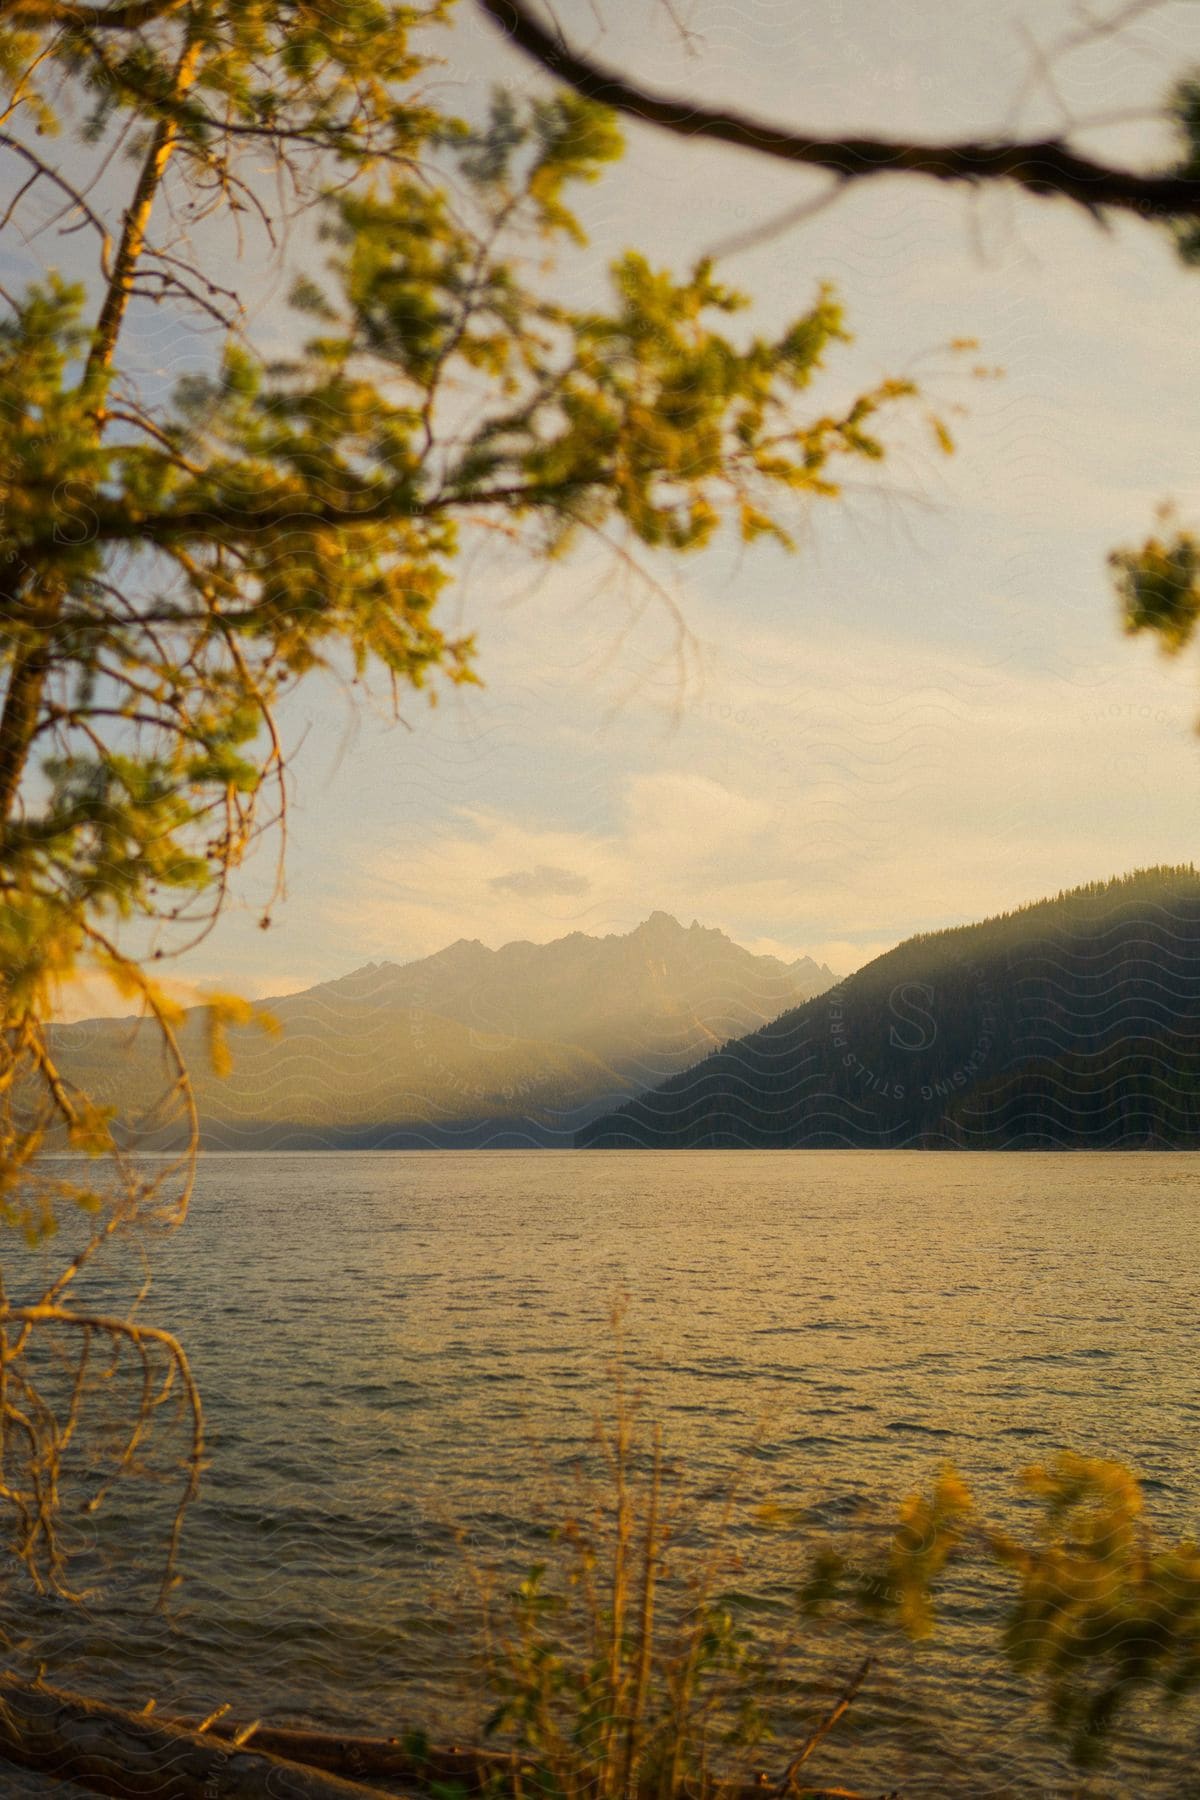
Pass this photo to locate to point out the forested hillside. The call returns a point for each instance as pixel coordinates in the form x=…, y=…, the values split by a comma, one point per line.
x=1072, y=1022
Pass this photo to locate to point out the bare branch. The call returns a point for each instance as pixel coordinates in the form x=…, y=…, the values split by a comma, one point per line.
x=140, y=1336
x=43, y=171
x=1046, y=167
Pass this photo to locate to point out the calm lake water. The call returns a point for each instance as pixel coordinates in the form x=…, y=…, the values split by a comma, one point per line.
x=392, y=1346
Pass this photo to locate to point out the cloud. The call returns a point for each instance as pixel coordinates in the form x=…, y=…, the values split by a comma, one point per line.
x=823, y=798
x=541, y=883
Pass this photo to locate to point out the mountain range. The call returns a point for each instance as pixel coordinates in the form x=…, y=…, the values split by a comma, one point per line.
x=470, y=1047
x=1070, y=1023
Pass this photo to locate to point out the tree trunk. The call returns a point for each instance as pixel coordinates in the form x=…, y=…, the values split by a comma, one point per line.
x=129, y=1756
x=31, y=663
x=133, y=1756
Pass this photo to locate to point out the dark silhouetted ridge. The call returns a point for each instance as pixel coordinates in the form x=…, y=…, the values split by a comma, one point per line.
x=1073, y=1022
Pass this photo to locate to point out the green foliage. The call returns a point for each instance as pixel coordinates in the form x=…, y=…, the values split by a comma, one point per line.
x=630, y=1647
x=897, y=1587
x=622, y=1664
x=1158, y=583
x=1183, y=109
x=1102, y=1612
x=310, y=75
x=929, y=1532
x=1158, y=586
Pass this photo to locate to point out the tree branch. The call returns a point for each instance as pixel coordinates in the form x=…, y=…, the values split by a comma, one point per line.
x=43, y=171
x=18, y=719
x=116, y=524
x=1046, y=167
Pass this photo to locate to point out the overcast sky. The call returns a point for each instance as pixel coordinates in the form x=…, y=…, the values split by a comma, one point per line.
x=926, y=715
